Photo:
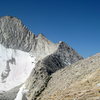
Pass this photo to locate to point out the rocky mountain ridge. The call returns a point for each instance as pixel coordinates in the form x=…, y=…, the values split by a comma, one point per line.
x=14, y=34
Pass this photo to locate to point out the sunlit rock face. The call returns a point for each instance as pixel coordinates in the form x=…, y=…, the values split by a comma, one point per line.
x=27, y=61
x=13, y=34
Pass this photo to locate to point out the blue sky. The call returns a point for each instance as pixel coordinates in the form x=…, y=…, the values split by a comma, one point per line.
x=77, y=22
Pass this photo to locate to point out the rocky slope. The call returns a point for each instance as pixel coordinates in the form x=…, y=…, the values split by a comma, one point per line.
x=18, y=47
x=79, y=81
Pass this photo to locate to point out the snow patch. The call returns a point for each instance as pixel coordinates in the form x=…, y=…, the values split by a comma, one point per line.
x=20, y=65
x=21, y=92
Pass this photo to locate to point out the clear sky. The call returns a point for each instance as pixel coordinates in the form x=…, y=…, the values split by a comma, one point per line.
x=77, y=22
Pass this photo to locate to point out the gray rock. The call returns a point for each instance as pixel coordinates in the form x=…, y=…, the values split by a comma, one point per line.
x=13, y=34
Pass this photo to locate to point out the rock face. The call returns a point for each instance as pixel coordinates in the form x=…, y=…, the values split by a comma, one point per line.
x=13, y=34
x=19, y=42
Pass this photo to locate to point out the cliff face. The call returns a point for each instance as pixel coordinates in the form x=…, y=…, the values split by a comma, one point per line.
x=23, y=53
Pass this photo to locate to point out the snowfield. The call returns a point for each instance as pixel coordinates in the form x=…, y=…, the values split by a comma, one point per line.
x=15, y=67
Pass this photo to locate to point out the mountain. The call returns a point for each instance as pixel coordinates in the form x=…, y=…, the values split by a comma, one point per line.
x=28, y=61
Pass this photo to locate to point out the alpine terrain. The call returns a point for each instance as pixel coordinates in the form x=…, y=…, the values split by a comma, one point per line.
x=34, y=68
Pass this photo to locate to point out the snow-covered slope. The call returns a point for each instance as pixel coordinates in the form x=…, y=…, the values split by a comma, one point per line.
x=15, y=67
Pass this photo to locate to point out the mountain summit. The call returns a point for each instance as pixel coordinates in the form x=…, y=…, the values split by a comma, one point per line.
x=28, y=61
x=15, y=35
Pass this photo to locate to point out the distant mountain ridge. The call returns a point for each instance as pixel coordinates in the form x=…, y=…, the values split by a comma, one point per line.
x=19, y=43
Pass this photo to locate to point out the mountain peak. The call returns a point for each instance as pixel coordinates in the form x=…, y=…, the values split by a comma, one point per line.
x=13, y=34
x=7, y=19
